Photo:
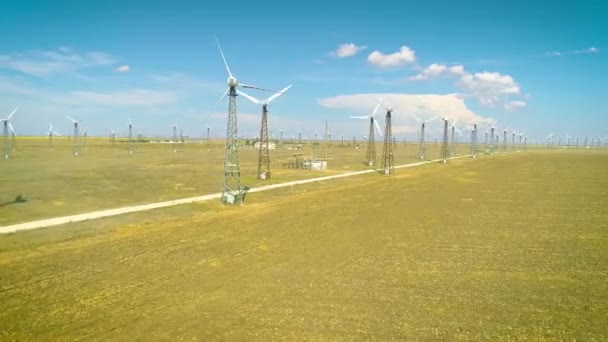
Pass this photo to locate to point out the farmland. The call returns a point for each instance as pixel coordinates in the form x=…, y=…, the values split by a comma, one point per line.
x=510, y=246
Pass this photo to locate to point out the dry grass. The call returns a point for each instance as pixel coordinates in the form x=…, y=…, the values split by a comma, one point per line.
x=55, y=183
x=501, y=248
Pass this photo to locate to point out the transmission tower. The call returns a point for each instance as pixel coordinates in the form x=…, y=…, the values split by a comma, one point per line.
x=445, y=145
x=263, y=154
x=231, y=178
x=370, y=154
x=388, y=164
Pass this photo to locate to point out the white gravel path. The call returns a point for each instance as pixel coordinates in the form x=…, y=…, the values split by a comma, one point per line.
x=142, y=207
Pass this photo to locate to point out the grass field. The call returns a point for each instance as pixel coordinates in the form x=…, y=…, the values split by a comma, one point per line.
x=509, y=247
x=55, y=183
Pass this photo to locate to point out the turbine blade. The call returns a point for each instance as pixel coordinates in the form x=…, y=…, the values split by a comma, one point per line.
x=221, y=98
x=11, y=128
x=252, y=87
x=270, y=99
x=360, y=117
x=12, y=113
x=432, y=119
x=376, y=110
x=224, y=58
x=415, y=117
x=378, y=127
x=69, y=118
x=249, y=97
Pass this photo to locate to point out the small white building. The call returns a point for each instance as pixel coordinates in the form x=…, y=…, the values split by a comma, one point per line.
x=271, y=145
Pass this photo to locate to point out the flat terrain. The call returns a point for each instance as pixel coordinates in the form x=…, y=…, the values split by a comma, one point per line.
x=55, y=183
x=505, y=247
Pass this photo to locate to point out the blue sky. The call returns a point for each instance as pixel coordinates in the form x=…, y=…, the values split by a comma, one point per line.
x=537, y=66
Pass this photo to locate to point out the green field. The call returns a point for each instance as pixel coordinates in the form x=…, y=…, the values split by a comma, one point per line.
x=505, y=247
x=55, y=183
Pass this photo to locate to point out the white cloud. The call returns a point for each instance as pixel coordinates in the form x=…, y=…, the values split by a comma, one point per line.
x=488, y=87
x=436, y=70
x=514, y=105
x=347, y=50
x=403, y=56
x=131, y=97
x=44, y=63
x=590, y=50
x=123, y=68
x=421, y=105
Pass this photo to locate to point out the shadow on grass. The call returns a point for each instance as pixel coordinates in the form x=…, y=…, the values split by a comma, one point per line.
x=244, y=192
x=18, y=199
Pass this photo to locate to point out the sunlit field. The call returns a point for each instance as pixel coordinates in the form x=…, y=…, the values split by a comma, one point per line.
x=55, y=183
x=504, y=247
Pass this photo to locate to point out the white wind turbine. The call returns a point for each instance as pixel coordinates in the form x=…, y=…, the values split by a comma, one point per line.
x=130, y=136
x=264, y=154
x=422, y=134
x=370, y=154
x=76, y=146
x=6, y=126
x=84, y=139
x=113, y=138
x=52, y=133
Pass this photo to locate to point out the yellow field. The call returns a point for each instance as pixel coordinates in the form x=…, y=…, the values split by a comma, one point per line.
x=508, y=247
x=55, y=183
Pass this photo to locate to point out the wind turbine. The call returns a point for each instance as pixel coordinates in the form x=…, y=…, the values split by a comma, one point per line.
x=52, y=133
x=453, y=138
x=474, y=140
x=231, y=178
x=84, y=139
x=421, y=142
x=113, y=138
x=130, y=136
x=174, y=139
x=550, y=140
x=76, y=146
x=445, y=146
x=6, y=125
x=388, y=161
x=370, y=154
x=568, y=137
x=264, y=154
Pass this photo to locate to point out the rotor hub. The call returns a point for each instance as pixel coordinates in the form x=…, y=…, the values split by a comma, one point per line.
x=232, y=82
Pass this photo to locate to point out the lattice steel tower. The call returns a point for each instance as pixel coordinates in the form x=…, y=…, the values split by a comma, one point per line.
x=474, y=141
x=388, y=163
x=231, y=178
x=445, y=145
x=7, y=142
x=422, y=143
x=263, y=154
x=370, y=154
x=130, y=137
